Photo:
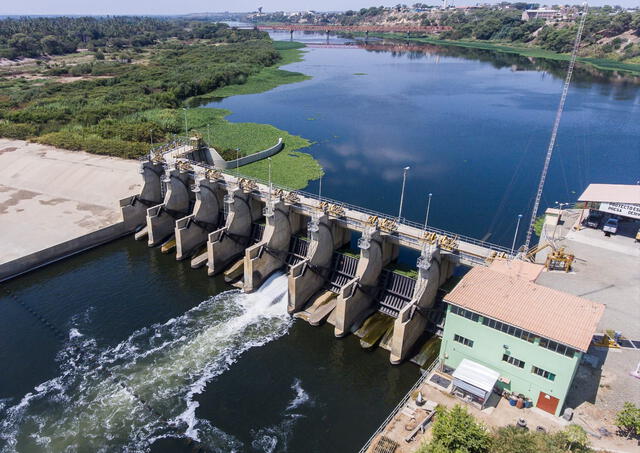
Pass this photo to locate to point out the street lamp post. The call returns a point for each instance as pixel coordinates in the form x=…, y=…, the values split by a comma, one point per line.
x=186, y=130
x=426, y=219
x=269, y=159
x=237, y=162
x=515, y=235
x=404, y=180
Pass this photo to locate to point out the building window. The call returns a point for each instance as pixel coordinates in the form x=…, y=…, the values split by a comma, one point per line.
x=465, y=313
x=463, y=340
x=509, y=330
x=543, y=373
x=513, y=361
x=557, y=347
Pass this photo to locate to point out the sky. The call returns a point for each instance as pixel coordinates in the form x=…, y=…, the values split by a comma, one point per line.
x=152, y=7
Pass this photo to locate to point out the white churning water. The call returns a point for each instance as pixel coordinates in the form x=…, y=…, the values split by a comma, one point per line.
x=126, y=397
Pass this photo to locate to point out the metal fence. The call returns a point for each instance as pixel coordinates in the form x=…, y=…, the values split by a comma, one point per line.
x=402, y=402
x=402, y=221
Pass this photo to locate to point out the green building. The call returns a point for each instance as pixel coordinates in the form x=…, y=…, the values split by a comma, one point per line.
x=531, y=337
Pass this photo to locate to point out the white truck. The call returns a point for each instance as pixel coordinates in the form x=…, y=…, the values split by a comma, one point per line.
x=611, y=226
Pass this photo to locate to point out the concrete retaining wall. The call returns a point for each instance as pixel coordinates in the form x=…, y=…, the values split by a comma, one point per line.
x=59, y=251
x=219, y=162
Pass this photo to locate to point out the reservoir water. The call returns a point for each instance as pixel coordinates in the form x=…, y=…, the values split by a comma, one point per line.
x=124, y=349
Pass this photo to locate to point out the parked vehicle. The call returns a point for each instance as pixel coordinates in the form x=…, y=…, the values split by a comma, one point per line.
x=594, y=219
x=638, y=236
x=611, y=226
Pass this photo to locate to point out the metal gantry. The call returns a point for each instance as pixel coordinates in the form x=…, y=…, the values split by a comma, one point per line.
x=556, y=125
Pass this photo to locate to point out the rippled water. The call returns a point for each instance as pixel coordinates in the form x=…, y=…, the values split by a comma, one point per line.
x=129, y=395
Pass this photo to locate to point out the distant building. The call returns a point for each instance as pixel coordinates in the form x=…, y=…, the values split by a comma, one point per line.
x=546, y=14
x=530, y=338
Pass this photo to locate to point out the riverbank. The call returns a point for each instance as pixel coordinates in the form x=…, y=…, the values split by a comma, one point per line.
x=602, y=64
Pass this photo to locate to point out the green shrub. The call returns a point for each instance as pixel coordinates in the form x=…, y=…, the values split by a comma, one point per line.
x=21, y=131
x=628, y=420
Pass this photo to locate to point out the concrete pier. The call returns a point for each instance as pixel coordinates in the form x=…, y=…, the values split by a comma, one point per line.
x=192, y=231
x=161, y=219
x=134, y=208
x=268, y=255
x=229, y=242
x=434, y=269
x=356, y=299
x=308, y=277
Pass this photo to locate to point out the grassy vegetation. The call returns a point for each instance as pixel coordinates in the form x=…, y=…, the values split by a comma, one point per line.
x=120, y=105
x=403, y=269
x=268, y=78
x=288, y=168
x=538, y=225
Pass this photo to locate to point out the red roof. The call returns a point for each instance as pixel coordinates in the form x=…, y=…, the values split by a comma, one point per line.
x=547, y=312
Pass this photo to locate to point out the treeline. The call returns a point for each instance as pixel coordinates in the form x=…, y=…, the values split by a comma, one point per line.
x=506, y=25
x=456, y=431
x=34, y=37
x=101, y=115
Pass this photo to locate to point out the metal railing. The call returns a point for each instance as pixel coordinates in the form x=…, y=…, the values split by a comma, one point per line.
x=420, y=226
x=402, y=402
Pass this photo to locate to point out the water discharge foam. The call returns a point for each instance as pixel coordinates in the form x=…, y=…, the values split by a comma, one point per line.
x=126, y=397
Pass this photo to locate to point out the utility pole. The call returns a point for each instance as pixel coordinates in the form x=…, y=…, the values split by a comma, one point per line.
x=404, y=180
x=556, y=125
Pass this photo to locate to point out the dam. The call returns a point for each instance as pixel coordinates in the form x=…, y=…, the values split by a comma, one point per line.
x=247, y=230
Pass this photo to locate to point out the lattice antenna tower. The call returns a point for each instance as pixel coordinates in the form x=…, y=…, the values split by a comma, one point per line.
x=556, y=125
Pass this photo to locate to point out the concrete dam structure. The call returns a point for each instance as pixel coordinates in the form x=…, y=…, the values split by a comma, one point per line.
x=247, y=229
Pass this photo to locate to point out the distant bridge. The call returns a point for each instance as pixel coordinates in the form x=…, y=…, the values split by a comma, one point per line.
x=358, y=28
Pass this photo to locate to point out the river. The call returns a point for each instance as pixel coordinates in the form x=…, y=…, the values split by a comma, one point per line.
x=124, y=349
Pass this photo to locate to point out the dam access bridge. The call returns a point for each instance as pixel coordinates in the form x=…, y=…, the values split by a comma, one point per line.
x=247, y=229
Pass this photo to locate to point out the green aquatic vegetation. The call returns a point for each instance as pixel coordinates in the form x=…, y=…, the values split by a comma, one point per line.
x=218, y=132
x=360, y=73
x=293, y=170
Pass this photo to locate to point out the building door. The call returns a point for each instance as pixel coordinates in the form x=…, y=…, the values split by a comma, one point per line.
x=547, y=403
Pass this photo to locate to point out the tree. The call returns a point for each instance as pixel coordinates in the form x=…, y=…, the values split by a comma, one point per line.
x=575, y=438
x=512, y=439
x=628, y=420
x=455, y=430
